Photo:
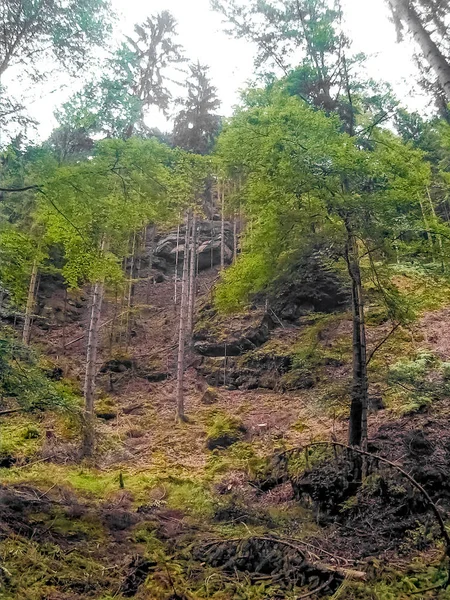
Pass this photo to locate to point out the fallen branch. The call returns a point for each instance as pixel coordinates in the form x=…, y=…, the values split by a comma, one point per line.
x=11, y=411
x=82, y=336
x=22, y=189
x=340, y=571
x=317, y=590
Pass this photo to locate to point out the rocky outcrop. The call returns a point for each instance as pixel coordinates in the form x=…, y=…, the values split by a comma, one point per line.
x=310, y=287
x=208, y=247
x=258, y=370
x=234, y=343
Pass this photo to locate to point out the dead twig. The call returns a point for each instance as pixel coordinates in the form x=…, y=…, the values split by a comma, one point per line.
x=317, y=590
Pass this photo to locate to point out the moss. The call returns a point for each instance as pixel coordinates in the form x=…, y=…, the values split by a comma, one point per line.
x=223, y=431
x=21, y=438
x=241, y=456
x=191, y=496
x=40, y=570
x=391, y=584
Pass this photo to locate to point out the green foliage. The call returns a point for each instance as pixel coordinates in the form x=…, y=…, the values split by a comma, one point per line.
x=190, y=496
x=133, y=79
x=420, y=380
x=18, y=254
x=20, y=439
x=25, y=380
x=196, y=125
x=241, y=456
x=304, y=182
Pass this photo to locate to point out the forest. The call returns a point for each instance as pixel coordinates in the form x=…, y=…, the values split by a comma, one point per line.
x=225, y=345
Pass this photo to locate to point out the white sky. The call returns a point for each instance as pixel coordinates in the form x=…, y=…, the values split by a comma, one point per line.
x=231, y=61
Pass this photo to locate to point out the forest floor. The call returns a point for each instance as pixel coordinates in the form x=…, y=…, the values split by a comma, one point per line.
x=163, y=512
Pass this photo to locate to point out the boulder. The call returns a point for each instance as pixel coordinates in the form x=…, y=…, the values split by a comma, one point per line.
x=210, y=396
x=310, y=287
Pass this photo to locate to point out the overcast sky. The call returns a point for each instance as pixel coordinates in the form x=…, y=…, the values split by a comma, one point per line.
x=231, y=61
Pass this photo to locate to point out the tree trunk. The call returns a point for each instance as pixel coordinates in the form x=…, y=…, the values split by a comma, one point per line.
x=357, y=435
x=439, y=238
x=129, y=320
x=235, y=238
x=183, y=325
x=222, y=230
x=192, y=279
x=405, y=12
x=177, y=254
x=150, y=260
x=91, y=366
x=30, y=304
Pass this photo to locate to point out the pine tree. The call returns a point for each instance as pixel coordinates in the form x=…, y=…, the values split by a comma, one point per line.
x=197, y=124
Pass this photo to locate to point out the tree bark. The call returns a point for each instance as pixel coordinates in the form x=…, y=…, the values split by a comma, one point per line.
x=235, y=245
x=406, y=13
x=129, y=320
x=192, y=279
x=183, y=325
x=150, y=260
x=357, y=435
x=91, y=367
x=222, y=229
x=30, y=304
x=177, y=254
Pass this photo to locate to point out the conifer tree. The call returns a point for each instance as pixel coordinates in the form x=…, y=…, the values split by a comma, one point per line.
x=197, y=124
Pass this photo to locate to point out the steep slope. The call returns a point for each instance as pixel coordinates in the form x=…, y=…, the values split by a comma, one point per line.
x=161, y=510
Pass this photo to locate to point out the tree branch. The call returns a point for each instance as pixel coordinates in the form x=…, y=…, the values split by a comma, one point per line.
x=22, y=189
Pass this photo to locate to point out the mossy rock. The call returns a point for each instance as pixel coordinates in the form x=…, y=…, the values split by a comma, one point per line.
x=210, y=396
x=224, y=431
x=298, y=379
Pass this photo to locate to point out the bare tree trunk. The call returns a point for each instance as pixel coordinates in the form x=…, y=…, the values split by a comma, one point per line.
x=91, y=367
x=129, y=321
x=357, y=435
x=30, y=304
x=439, y=238
x=177, y=255
x=150, y=261
x=235, y=238
x=192, y=279
x=222, y=230
x=183, y=324
x=405, y=12
x=427, y=228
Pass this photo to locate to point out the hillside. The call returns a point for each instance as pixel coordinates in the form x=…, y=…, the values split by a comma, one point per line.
x=224, y=344
x=160, y=510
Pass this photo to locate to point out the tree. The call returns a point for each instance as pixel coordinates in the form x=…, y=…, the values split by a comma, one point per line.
x=310, y=187
x=183, y=324
x=304, y=41
x=427, y=22
x=297, y=34
x=196, y=125
x=136, y=77
x=33, y=31
x=36, y=33
x=91, y=208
